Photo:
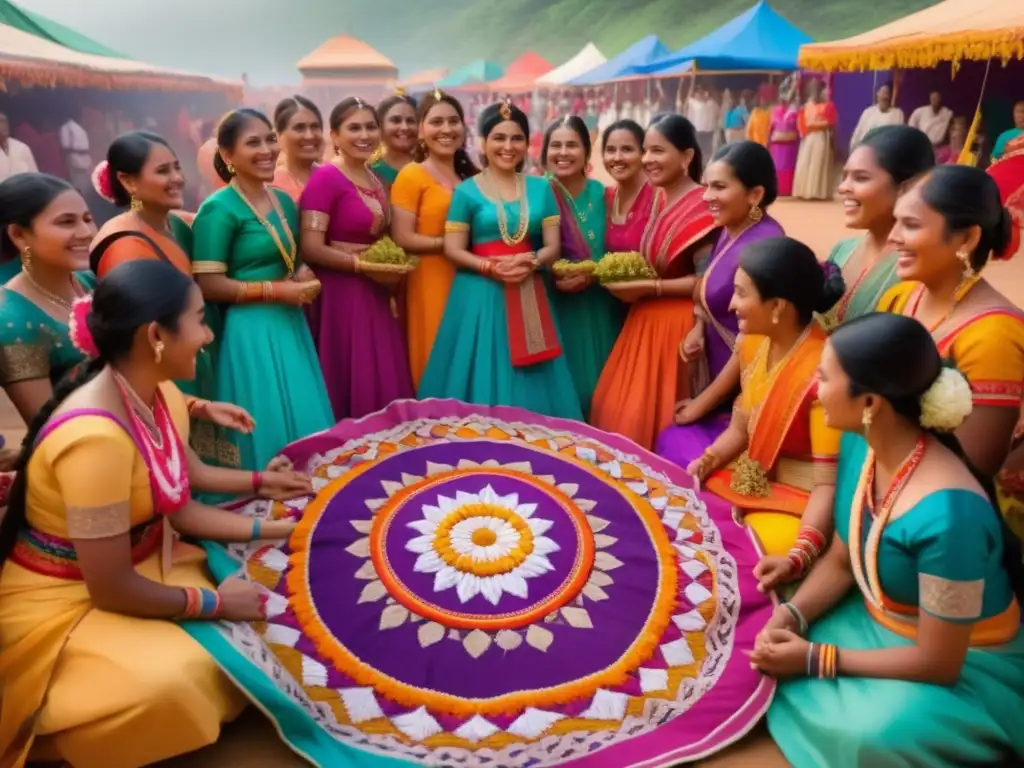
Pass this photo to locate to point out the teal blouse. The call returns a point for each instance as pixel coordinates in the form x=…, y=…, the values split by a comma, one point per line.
x=944, y=555
x=472, y=209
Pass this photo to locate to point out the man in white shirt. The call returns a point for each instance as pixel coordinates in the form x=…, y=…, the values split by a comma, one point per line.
x=932, y=119
x=74, y=141
x=703, y=113
x=15, y=156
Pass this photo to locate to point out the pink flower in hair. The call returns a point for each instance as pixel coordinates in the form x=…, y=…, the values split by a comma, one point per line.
x=101, y=181
x=78, y=327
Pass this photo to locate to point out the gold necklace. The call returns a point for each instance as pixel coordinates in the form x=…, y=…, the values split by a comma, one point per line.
x=287, y=255
x=580, y=215
x=524, y=210
x=60, y=301
x=616, y=210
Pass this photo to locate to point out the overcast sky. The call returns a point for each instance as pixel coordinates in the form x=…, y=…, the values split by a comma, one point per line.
x=219, y=37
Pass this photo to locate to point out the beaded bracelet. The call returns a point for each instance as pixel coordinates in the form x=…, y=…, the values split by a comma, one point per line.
x=800, y=620
x=807, y=548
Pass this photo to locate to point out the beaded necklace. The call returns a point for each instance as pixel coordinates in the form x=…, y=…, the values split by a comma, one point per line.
x=499, y=205
x=160, y=445
x=959, y=295
x=865, y=567
x=289, y=254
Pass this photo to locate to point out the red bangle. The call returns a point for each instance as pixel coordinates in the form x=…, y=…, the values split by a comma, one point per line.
x=257, y=481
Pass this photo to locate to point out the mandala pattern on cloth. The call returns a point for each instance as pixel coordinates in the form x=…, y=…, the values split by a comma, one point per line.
x=472, y=589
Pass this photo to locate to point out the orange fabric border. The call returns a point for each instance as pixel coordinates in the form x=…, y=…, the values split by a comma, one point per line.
x=570, y=588
x=994, y=630
x=406, y=695
x=783, y=401
x=783, y=498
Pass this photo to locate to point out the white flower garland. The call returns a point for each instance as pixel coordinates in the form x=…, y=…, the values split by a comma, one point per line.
x=947, y=403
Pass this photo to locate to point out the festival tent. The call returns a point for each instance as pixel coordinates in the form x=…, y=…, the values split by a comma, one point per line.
x=423, y=80
x=584, y=61
x=639, y=53
x=757, y=40
x=345, y=59
x=522, y=74
x=475, y=73
x=952, y=31
x=32, y=61
x=48, y=29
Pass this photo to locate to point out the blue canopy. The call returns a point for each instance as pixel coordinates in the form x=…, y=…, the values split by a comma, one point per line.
x=638, y=54
x=757, y=39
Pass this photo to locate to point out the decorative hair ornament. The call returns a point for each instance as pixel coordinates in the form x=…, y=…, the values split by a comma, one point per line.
x=359, y=103
x=948, y=401
x=567, y=121
x=437, y=94
x=400, y=91
x=505, y=110
x=78, y=327
x=101, y=181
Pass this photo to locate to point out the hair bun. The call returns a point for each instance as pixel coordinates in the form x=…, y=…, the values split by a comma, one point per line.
x=947, y=402
x=833, y=288
x=1006, y=241
x=101, y=182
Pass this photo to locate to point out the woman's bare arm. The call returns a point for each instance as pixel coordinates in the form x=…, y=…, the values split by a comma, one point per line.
x=29, y=397
x=403, y=232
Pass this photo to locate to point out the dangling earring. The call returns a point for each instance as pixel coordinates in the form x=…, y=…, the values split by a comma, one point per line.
x=965, y=260
x=26, y=258
x=775, y=318
x=158, y=352
x=865, y=421
x=756, y=214
x=136, y=205
x=231, y=169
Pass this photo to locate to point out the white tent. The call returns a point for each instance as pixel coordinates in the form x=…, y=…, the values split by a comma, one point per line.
x=582, y=62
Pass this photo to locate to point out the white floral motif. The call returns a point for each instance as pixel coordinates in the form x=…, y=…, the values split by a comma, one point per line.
x=947, y=403
x=480, y=553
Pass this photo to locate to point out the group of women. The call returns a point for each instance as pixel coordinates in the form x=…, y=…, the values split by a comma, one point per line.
x=801, y=394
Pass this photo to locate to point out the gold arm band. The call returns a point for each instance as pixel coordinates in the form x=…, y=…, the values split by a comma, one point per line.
x=456, y=226
x=209, y=268
x=98, y=522
x=315, y=221
x=551, y=221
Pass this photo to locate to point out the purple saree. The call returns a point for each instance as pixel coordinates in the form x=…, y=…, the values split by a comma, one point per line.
x=681, y=445
x=477, y=586
x=359, y=340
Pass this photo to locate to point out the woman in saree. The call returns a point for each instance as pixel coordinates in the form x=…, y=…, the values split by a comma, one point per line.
x=776, y=461
x=1008, y=173
x=93, y=588
x=356, y=328
x=499, y=343
x=814, y=178
x=420, y=198
x=784, y=140
x=914, y=654
x=300, y=130
x=629, y=201
x=1010, y=136
x=589, y=316
x=245, y=233
x=887, y=158
x=47, y=218
x=740, y=187
x=396, y=116
x=948, y=225
x=644, y=377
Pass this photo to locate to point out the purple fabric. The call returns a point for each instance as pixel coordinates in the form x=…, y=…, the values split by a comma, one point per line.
x=681, y=445
x=398, y=653
x=358, y=338
x=718, y=716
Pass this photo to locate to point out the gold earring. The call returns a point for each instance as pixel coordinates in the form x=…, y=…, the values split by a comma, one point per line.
x=756, y=214
x=775, y=319
x=865, y=419
x=26, y=258
x=158, y=351
x=231, y=169
x=136, y=204
x=965, y=260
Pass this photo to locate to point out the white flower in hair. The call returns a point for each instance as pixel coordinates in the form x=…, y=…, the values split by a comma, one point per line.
x=947, y=403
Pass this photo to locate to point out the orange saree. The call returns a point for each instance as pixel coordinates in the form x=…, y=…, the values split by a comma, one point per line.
x=644, y=377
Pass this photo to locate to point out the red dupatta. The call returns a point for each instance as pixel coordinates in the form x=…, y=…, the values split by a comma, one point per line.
x=1008, y=173
x=674, y=229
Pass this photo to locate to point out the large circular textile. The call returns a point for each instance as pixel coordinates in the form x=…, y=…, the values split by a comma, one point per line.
x=487, y=587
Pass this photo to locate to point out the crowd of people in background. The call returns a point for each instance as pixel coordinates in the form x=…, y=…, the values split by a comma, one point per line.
x=814, y=398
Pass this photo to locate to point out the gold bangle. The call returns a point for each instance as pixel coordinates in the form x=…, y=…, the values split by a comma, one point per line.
x=355, y=263
x=657, y=288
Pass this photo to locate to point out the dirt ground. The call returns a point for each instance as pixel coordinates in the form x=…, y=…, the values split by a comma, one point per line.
x=251, y=742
